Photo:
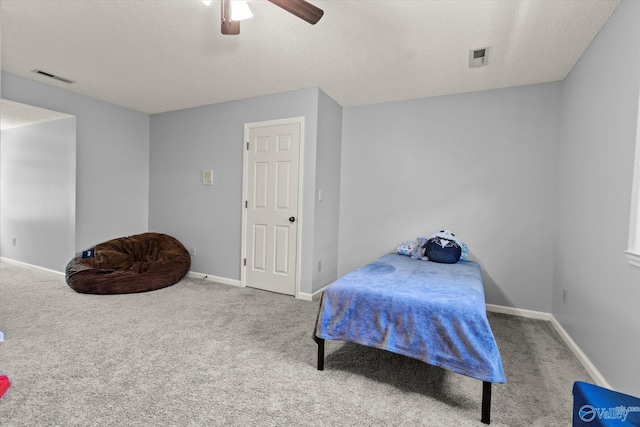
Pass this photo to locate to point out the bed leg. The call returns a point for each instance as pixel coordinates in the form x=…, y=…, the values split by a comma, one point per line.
x=486, y=402
x=320, y=342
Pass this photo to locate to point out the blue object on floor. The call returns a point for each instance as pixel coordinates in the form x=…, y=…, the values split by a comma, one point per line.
x=595, y=406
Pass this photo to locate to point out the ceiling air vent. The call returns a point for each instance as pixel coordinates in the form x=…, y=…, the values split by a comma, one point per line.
x=478, y=57
x=52, y=76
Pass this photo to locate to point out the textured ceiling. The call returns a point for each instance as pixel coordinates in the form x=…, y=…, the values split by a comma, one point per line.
x=161, y=55
x=15, y=114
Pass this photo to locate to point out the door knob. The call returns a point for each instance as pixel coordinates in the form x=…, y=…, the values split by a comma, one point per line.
x=292, y=219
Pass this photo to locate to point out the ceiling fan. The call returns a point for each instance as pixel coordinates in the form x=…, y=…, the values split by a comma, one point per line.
x=300, y=8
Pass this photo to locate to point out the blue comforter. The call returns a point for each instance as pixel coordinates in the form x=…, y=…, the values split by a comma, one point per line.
x=421, y=309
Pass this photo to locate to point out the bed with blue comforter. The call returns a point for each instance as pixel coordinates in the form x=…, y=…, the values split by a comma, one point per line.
x=425, y=310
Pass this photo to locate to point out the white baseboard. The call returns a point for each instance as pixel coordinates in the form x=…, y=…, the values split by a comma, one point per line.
x=305, y=296
x=301, y=295
x=193, y=274
x=27, y=265
x=529, y=314
x=598, y=378
x=217, y=279
x=314, y=296
x=590, y=367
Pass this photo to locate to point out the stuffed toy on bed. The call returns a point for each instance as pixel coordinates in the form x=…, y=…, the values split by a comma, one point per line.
x=443, y=246
x=410, y=248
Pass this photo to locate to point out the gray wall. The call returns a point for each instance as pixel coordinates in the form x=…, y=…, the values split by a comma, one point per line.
x=112, y=155
x=38, y=193
x=599, y=116
x=209, y=219
x=480, y=164
x=486, y=165
x=327, y=210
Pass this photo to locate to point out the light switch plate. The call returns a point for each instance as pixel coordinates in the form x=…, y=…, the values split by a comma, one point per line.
x=207, y=177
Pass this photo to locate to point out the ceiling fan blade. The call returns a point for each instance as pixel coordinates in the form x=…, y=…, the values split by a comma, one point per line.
x=228, y=27
x=301, y=8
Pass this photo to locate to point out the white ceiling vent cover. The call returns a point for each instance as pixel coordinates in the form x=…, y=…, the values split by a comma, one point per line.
x=478, y=57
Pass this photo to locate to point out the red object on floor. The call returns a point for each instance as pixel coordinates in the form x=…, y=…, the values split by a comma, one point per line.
x=4, y=384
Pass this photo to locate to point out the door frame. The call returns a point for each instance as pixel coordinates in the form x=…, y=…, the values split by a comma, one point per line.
x=300, y=215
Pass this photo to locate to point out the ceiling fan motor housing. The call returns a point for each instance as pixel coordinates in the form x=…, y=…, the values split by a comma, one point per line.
x=300, y=8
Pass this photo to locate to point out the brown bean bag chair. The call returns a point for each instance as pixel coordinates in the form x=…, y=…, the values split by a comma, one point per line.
x=140, y=263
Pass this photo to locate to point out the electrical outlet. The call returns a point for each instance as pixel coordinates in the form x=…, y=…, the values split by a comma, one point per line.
x=319, y=265
x=192, y=251
x=564, y=296
x=13, y=241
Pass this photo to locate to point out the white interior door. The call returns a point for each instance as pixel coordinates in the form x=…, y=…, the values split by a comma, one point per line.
x=271, y=221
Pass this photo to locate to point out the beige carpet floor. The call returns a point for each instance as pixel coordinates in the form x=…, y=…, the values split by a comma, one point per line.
x=205, y=354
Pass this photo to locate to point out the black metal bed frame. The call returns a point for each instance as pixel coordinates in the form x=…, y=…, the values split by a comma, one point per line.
x=485, y=418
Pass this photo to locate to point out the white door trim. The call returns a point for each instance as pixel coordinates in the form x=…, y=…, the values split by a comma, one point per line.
x=300, y=218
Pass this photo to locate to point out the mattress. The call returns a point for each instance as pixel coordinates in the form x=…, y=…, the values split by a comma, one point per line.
x=421, y=309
